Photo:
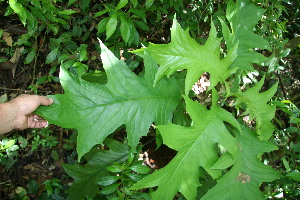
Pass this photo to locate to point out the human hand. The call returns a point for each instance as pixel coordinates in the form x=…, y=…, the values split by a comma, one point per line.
x=19, y=113
x=24, y=106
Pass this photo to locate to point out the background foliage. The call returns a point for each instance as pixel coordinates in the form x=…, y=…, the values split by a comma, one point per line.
x=39, y=36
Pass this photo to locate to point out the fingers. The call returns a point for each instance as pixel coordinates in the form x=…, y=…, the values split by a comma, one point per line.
x=44, y=100
x=35, y=121
x=39, y=124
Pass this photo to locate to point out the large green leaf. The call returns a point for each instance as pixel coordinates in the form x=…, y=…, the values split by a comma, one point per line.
x=87, y=176
x=185, y=53
x=98, y=110
x=196, y=147
x=243, y=16
x=248, y=172
x=258, y=107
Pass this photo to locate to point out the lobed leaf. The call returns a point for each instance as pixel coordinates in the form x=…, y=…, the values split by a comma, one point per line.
x=98, y=110
x=243, y=16
x=248, y=172
x=258, y=107
x=185, y=53
x=196, y=148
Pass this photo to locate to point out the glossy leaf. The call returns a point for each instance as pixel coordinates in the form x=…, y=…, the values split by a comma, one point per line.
x=111, y=25
x=98, y=110
x=101, y=27
x=125, y=29
x=121, y=4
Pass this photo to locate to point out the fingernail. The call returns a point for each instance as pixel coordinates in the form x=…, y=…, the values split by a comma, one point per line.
x=46, y=124
x=50, y=99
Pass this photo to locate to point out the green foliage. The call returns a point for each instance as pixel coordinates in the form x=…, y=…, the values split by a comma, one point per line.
x=216, y=142
x=88, y=176
x=218, y=156
x=185, y=53
x=242, y=181
x=9, y=150
x=52, y=187
x=257, y=107
x=192, y=142
x=243, y=16
x=44, y=139
x=126, y=98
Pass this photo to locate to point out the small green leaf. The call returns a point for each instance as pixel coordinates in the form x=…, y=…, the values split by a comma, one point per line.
x=294, y=175
x=53, y=28
x=135, y=177
x=83, y=55
x=67, y=12
x=121, y=4
x=141, y=169
x=71, y=2
x=225, y=161
x=19, y=9
x=32, y=22
x=9, y=144
x=3, y=60
x=30, y=56
x=134, y=64
x=116, y=168
x=286, y=164
x=52, y=56
x=110, y=189
x=296, y=147
x=22, y=142
x=100, y=13
x=125, y=29
x=32, y=187
x=142, y=25
x=108, y=180
x=149, y=3
x=111, y=25
x=101, y=27
x=55, y=155
x=134, y=3
x=85, y=5
x=98, y=77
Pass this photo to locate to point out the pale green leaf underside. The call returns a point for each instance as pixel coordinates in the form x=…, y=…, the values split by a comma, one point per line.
x=196, y=147
x=248, y=172
x=185, y=53
x=98, y=110
x=258, y=107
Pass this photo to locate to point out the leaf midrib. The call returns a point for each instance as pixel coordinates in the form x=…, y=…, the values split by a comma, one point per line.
x=125, y=101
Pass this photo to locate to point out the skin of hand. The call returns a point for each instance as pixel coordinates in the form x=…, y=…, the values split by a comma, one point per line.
x=18, y=113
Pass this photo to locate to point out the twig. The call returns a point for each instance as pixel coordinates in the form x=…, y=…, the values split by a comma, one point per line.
x=4, y=88
x=282, y=86
x=19, y=89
